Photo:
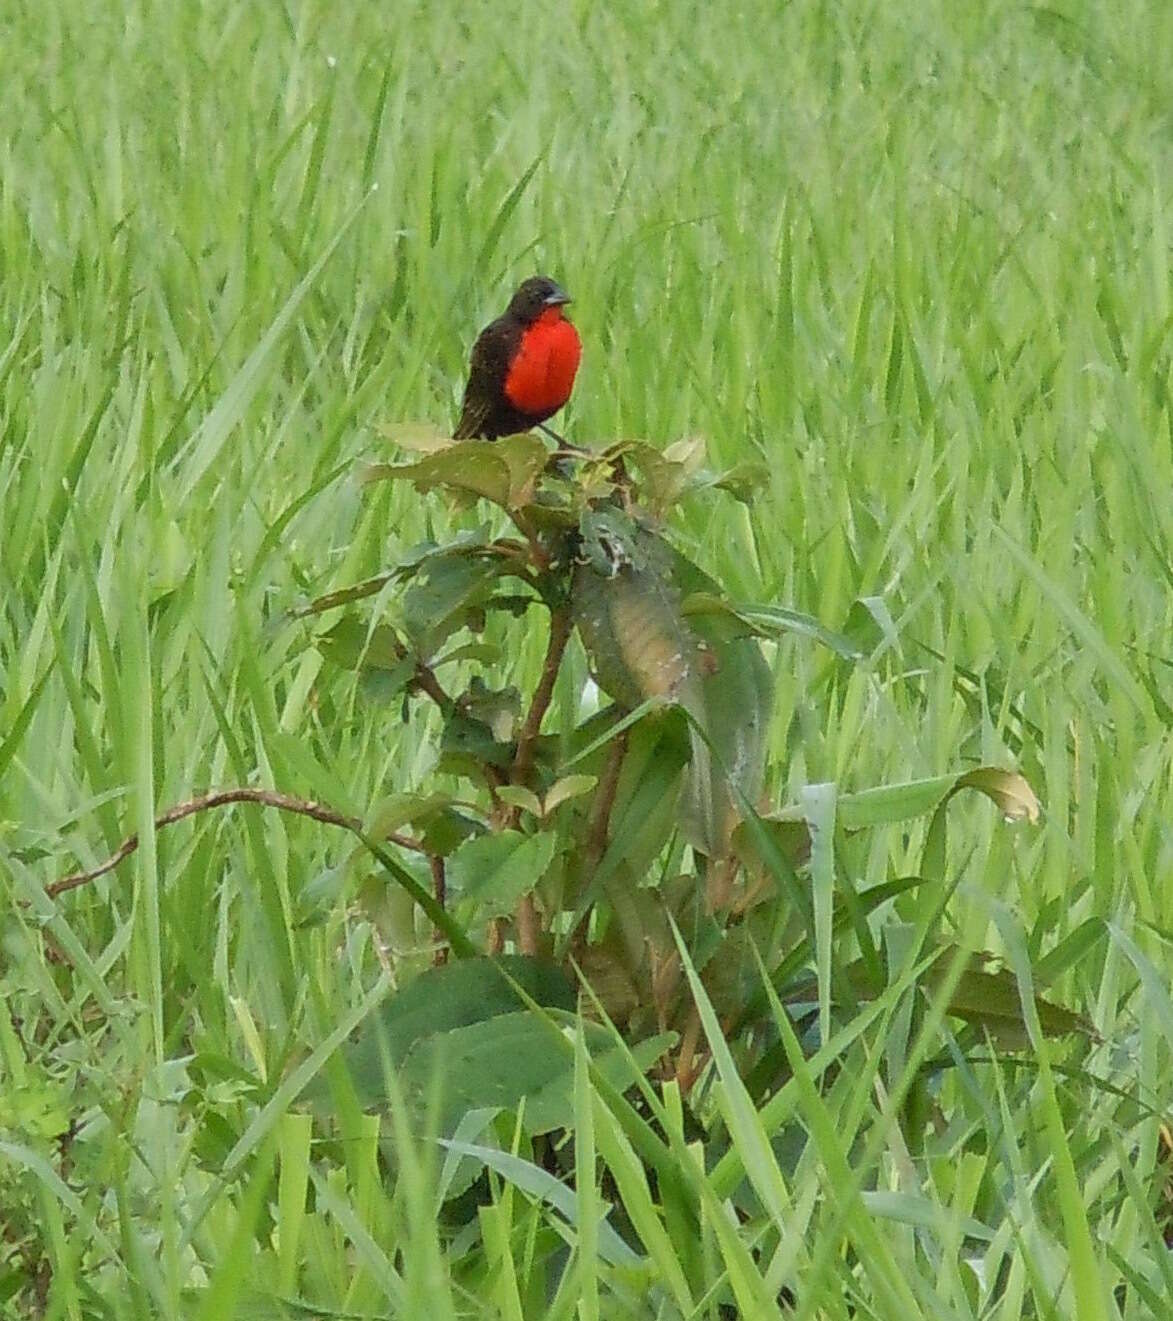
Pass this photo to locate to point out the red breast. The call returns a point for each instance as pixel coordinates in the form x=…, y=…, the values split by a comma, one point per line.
x=541, y=375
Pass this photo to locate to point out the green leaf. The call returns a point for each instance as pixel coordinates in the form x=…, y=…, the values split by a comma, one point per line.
x=506, y=1059
x=791, y=838
x=1008, y=790
x=352, y=645
x=869, y=625
x=664, y=479
x=729, y=714
x=498, y=708
x=886, y=804
x=472, y=542
x=416, y=437
x=343, y=596
x=991, y=1001
x=637, y=641
x=535, y=1181
x=731, y=620
x=487, y=653
x=504, y=472
x=494, y=871
x=517, y=795
x=443, y=999
x=467, y=746
x=395, y=811
x=447, y=593
x=743, y=480
x=569, y=786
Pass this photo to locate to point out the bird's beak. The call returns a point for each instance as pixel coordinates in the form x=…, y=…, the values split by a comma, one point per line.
x=557, y=297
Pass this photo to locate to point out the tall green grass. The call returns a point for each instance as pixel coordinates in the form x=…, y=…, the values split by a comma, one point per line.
x=914, y=256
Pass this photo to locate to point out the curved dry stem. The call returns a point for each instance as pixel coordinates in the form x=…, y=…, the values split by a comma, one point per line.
x=222, y=798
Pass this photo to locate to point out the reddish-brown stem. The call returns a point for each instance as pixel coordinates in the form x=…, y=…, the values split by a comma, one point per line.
x=687, y=1069
x=561, y=622
x=600, y=822
x=263, y=797
x=537, y=552
x=599, y=827
x=425, y=680
x=528, y=926
x=440, y=894
x=496, y=935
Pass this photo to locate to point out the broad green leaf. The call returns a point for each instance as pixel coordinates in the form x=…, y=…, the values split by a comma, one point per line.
x=495, y=870
x=737, y=692
x=886, y=804
x=417, y=437
x=735, y=702
x=442, y=999
x=743, y=480
x=486, y=653
x=498, y=708
x=505, y=1059
x=468, y=745
x=991, y=1001
x=569, y=786
x=395, y=811
x=988, y=1000
x=517, y=795
x=447, y=593
x=627, y=607
x=791, y=838
x=352, y=645
x=637, y=644
x=504, y=472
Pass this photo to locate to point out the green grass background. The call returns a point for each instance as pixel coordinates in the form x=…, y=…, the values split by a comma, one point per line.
x=915, y=256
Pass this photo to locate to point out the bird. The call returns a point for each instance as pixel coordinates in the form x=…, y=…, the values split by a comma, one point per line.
x=522, y=366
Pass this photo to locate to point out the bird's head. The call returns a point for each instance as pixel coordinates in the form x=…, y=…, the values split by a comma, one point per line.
x=534, y=296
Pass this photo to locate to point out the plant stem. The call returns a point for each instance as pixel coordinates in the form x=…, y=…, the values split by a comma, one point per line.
x=686, y=1071
x=598, y=830
x=561, y=622
x=222, y=798
x=440, y=894
x=600, y=822
x=528, y=926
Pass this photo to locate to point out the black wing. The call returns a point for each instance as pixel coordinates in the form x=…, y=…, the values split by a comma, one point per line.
x=488, y=365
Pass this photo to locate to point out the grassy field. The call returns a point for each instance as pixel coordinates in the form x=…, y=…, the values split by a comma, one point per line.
x=915, y=257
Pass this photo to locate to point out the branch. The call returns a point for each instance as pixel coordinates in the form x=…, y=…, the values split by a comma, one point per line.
x=424, y=678
x=265, y=797
x=528, y=925
x=598, y=829
x=440, y=894
x=688, y=1067
x=561, y=622
x=600, y=823
x=537, y=551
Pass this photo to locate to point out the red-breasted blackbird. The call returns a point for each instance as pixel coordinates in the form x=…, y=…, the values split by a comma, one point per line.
x=523, y=364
